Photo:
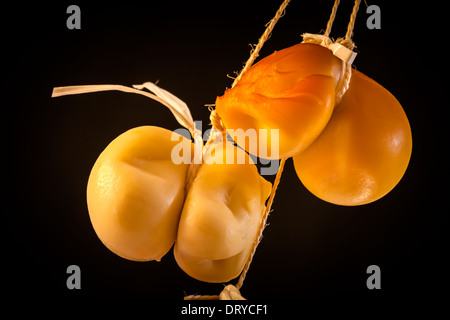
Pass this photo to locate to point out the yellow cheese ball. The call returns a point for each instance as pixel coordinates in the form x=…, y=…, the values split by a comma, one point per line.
x=364, y=150
x=221, y=216
x=135, y=193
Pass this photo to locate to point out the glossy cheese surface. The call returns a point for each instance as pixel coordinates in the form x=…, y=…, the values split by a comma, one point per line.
x=364, y=150
x=292, y=90
x=135, y=193
x=220, y=216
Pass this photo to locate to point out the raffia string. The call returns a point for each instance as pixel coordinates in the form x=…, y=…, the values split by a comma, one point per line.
x=178, y=107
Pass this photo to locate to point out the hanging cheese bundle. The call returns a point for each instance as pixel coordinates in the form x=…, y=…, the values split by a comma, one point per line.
x=221, y=215
x=363, y=151
x=135, y=193
x=353, y=155
x=293, y=90
x=349, y=137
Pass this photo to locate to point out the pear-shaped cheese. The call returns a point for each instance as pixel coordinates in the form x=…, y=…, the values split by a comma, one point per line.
x=135, y=193
x=292, y=90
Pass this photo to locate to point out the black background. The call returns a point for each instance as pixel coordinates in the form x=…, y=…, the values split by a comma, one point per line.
x=311, y=250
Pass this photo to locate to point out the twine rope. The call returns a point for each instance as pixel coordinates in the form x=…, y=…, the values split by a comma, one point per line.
x=331, y=19
x=347, y=41
x=265, y=36
x=263, y=223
